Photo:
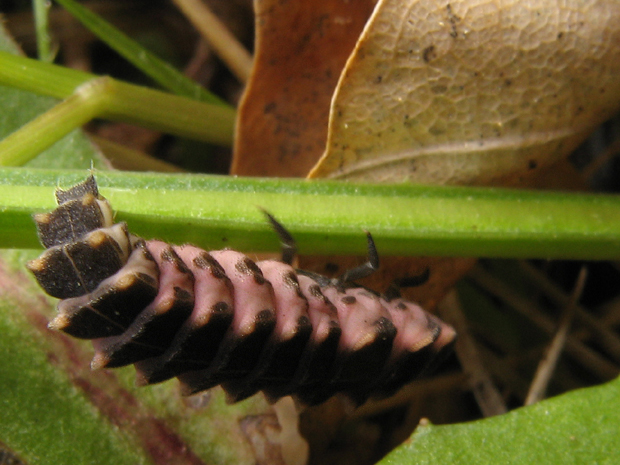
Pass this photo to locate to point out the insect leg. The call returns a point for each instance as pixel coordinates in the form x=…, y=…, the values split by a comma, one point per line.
x=393, y=292
x=289, y=247
x=364, y=270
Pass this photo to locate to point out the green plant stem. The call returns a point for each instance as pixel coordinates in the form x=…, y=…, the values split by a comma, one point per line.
x=158, y=70
x=40, y=77
x=329, y=217
x=107, y=98
x=153, y=108
x=44, y=47
x=37, y=135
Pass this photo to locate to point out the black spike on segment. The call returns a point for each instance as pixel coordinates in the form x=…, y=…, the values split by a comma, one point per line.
x=364, y=270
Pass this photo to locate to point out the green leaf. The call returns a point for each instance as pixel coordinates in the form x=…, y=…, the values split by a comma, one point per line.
x=45, y=418
x=580, y=427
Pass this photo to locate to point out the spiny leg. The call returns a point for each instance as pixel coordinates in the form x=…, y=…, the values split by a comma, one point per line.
x=393, y=292
x=364, y=270
x=289, y=247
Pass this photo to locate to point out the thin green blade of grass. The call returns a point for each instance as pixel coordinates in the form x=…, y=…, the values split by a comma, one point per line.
x=330, y=217
x=157, y=69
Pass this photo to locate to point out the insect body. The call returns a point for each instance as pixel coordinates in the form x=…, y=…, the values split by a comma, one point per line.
x=218, y=317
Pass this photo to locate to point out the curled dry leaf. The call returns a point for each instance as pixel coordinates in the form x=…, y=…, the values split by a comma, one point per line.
x=472, y=91
x=301, y=48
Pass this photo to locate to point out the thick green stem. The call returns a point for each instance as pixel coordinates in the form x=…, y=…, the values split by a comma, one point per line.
x=88, y=96
x=330, y=217
x=168, y=113
x=39, y=77
x=48, y=128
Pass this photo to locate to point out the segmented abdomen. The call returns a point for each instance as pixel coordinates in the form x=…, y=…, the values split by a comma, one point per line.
x=218, y=317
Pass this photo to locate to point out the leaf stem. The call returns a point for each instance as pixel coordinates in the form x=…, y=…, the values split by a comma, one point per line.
x=88, y=96
x=40, y=77
x=41, y=15
x=329, y=217
x=37, y=135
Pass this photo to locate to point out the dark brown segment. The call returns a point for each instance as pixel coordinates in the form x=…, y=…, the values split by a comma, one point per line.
x=193, y=348
x=408, y=367
x=315, y=364
x=366, y=365
x=355, y=370
x=84, y=322
x=117, y=305
x=148, y=336
x=313, y=370
x=236, y=357
x=276, y=367
x=70, y=222
x=77, y=268
x=412, y=365
x=95, y=262
x=56, y=274
x=118, y=299
x=154, y=328
x=89, y=186
x=413, y=347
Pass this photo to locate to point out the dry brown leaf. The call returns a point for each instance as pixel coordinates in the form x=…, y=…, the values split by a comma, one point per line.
x=301, y=47
x=466, y=91
x=472, y=91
